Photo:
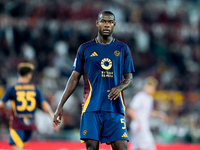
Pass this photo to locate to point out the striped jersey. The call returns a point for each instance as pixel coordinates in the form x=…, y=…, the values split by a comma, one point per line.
x=102, y=67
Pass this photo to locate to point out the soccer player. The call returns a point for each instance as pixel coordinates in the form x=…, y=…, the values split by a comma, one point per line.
x=106, y=65
x=140, y=110
x=25, y=97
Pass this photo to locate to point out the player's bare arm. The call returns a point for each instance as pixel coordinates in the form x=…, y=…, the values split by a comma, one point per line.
x=1, y=105
x=46, y=107
x=69, y=89
x=131, y=113
x=125, y=83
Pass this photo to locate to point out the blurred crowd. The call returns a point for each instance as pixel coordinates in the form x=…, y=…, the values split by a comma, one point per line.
x=163, y=36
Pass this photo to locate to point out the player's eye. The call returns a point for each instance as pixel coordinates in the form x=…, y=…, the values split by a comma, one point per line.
x=110, y=22
x=103, y=21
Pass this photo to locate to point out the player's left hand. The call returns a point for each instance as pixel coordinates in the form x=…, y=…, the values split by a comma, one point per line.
x=114, y=93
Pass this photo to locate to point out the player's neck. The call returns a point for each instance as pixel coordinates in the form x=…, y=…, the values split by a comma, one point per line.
x=149, y=92
x=23, y=80
x=104, y=40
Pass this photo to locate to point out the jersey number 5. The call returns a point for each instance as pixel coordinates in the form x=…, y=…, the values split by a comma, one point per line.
x=24, y=98
x=123, y=121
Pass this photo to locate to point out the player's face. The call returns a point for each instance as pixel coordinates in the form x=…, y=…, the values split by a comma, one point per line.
x=105, y=24
x=150, y=89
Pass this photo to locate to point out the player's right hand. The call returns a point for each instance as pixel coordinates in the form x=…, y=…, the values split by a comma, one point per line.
x=57, y=116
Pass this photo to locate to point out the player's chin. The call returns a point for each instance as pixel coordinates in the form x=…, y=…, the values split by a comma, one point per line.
x=105, y=33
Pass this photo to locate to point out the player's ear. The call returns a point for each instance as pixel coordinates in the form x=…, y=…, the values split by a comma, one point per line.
x=114, y=24
x=97, y=23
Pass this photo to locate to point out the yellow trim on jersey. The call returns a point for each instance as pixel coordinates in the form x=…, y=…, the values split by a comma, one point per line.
x=88, y=99
x=113, y=39
x=16, y=138
x=13, y=107
x=122, y=102
x=96, y=40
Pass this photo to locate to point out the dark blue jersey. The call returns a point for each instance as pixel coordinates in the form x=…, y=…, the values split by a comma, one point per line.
x=24, y=99
x=103, y=67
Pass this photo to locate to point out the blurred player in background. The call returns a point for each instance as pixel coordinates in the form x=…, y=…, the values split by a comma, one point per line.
x=106, y=65
x=25, y=97
x=140, y=111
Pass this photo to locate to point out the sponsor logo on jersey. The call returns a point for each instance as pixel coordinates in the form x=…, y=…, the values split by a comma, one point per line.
x=106, y=63
x=107, y=74
x=94, y=54
x=117, y=53
x=124, y=135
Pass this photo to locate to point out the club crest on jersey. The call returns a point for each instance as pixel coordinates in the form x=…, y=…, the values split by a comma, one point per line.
x=84, y=132
x=117, y=53
x=106, y=63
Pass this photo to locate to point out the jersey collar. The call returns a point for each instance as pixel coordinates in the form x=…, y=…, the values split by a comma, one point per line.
x=106, y=44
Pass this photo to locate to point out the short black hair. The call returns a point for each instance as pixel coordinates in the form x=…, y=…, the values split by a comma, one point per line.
x=106, y=12
x=25, y=68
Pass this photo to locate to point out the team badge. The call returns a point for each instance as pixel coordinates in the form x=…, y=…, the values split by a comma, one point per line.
x=117, y=53
x=84, y=132
x=106, y=63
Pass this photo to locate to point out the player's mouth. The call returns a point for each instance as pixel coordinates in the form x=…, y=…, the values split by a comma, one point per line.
x=106, y=30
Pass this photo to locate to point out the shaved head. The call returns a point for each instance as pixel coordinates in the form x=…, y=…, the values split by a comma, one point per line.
x=105, y=12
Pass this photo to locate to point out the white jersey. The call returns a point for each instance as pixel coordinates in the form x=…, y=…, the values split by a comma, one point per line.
x=142, y=103
x=141, y=136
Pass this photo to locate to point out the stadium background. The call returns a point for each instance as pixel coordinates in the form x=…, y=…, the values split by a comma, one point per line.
x=164, y=39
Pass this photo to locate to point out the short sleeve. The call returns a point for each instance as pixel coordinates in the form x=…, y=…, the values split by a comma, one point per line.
x=7, y=96
x=39, y=96
x=128, y=62
x=79, y=61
